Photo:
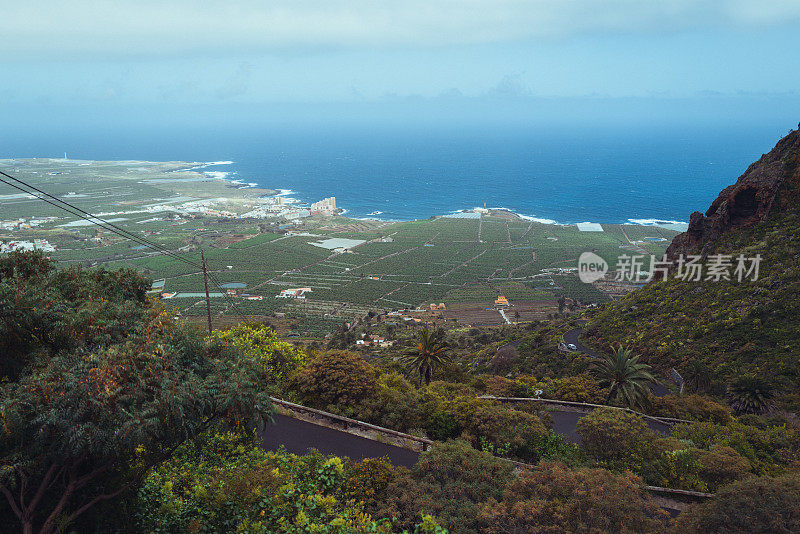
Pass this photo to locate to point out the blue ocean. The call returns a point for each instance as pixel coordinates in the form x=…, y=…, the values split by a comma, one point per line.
x=609, y=175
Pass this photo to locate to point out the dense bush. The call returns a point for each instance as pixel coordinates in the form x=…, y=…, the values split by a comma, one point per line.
x=554, y=499
x=692, y=407
x=580, y=388
x=101, y=384
x=334, y=377
x=278, y=360
x=225, y=484
x=449, y=481
x=617, y=439
x=757, y=505
x=769, y=449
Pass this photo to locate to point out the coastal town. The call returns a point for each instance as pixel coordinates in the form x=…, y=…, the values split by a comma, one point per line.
x=305, y=264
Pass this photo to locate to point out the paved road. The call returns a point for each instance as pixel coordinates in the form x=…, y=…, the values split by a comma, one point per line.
x=298, y=436
x=573, y=337
x=565, y=423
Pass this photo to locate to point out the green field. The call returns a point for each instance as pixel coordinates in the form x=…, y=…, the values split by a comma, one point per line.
x=401, y=264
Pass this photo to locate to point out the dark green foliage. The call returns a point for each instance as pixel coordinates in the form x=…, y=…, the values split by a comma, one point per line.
x=449, y=481
x=627, y=380
x=104, y=388
x=698, y=376
x=617, y=439
x=554, y=499
x=335, y=377
x=770, y=449
x=750, y=394
x=45, y=311
x=756, y=505
x=428, y=355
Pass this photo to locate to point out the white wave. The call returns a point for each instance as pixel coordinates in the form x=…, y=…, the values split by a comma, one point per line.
x=535, y=219
x=375, y=213
x=219, y=175
x=524, y=217
x=381, y=219
x=210, y=163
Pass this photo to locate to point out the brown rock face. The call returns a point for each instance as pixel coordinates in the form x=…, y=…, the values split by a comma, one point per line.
x=744, y=203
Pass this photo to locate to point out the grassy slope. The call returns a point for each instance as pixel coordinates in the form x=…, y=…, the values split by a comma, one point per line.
x=748, y=327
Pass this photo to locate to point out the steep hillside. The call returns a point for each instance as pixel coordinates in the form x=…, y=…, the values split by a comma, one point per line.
x=733, y=327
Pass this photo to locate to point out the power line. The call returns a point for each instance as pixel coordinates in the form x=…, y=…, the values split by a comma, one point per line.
x=106, y=225
x=93, y=218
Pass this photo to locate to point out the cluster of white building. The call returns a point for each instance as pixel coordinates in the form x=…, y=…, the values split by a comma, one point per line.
x=24, y=223
x=36, y=244
x=326, y=206
x=282, y=207
x=295, y=293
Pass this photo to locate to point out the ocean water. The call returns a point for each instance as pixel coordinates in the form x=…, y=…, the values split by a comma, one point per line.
x=567, y=175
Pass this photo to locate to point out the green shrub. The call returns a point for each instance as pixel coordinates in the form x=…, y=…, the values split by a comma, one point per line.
x=333, y=378
x=555, y=499
x=616, y=439
x=757, y=505
x=692, y=407
x=226, y=485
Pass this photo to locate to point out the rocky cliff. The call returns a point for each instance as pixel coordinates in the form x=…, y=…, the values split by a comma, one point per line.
x=731, y=326
x=747, y=202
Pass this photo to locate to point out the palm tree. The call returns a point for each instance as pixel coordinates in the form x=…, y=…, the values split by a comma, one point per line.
x=750, y=394
x=627, y=380
x=427, y=354
x=698, y=376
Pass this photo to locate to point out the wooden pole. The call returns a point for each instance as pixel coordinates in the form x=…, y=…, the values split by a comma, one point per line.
x=205, y=283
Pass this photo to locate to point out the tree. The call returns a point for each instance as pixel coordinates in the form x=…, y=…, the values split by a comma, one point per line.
x=698, y=376
x=627, y=380
x=750, y=394
x=335, y=377
x=754, y=505
x=555, y=499
x=449, y=481
x=224, y=484
x=427, y=355
x=259, y=342
x=106, y=387
x=617, y=439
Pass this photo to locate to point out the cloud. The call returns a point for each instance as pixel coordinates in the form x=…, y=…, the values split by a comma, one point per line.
x=92, y=28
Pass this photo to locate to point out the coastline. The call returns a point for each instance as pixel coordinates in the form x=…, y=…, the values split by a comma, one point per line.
x=199, y=173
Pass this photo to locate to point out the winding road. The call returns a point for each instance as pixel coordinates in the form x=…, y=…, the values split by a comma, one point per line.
x=573, y=338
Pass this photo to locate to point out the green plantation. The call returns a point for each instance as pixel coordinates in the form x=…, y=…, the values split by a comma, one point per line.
x=399, y=265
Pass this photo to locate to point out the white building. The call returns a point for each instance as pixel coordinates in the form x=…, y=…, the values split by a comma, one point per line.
x=296, y=293
x=326, y=205
x=36, y=244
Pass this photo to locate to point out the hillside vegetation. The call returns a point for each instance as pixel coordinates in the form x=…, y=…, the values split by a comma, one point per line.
x=728, y=328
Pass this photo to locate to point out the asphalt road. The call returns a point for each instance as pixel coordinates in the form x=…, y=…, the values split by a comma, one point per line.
x=573, y=337
x=565, y=423
x=298, y=436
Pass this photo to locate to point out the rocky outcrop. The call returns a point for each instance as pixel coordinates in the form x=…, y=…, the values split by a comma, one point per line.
x=749, y=201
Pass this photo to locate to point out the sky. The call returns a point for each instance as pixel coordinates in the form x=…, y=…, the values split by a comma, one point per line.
x=458, y=55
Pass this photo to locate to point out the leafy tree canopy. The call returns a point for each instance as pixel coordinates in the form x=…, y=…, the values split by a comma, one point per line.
x=101, y=385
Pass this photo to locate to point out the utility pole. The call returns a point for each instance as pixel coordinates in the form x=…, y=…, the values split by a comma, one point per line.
x=205, y=283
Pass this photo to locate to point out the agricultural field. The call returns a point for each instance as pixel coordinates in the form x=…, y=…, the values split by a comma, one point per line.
x=462, y=263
